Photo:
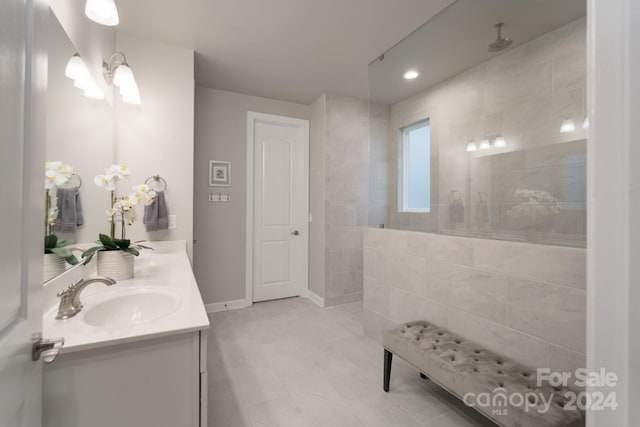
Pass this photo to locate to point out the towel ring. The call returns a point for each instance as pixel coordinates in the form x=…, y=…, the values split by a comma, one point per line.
x=66, y=184
x=157, y=179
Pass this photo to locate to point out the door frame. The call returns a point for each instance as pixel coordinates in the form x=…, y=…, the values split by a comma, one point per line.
x=252, y=118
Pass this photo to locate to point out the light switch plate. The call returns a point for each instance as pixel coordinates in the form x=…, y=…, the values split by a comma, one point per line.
x=173, y=222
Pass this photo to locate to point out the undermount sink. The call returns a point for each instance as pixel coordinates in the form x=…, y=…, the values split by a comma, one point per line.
x=131, y=309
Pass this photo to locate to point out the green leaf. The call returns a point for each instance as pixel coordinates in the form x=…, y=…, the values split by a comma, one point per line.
x=50, y=241
x=90, y=251
x=62, y=252
x=122, y=243
x=71, y=259
x=65, y=243
x=107, y=242
x=130, y=251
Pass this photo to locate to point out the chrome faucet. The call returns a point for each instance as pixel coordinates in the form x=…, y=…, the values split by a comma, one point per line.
x=70, y=304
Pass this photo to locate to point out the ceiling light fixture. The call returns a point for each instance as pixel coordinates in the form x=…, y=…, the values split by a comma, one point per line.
x=118, y=72
x=567, y=126
x=485, y=144
x=411, y=74
x=103, y=12
x=585, y=124
x=471, y=147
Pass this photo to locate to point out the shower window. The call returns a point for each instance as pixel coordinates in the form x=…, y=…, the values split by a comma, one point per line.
x=414, y=178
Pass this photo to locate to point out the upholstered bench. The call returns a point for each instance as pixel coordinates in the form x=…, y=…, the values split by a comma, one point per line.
x=502, y=390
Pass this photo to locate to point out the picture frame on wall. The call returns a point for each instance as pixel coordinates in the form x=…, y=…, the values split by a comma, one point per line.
x=219, y=173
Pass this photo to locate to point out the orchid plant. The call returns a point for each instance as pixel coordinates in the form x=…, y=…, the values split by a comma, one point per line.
x=56, y=174
x=122, y=210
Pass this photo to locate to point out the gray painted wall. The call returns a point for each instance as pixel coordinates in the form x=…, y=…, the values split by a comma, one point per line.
x=220, y=228
x=156, y=137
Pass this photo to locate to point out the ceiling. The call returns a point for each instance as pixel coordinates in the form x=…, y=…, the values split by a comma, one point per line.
x=291, y=50
x=457, y=39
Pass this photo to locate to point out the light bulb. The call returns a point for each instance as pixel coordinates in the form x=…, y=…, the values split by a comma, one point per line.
x=585, y=124
x=485, y=144
x=411, y=74
x=84, y=83
x=93, y=93
x=472, y=147
x=129, y=90
x=102, y=11
x=76, y=68
x=567, y=126
x=500, y=142
x=123, y=76
x=131, y=99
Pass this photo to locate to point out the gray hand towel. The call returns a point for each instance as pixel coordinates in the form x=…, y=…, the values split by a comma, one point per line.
x=69, y=210
x=156, y=216
x=456, y=211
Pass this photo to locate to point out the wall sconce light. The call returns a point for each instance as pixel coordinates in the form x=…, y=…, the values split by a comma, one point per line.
x=77, y=71
x=118, y=72
x=76, y=68
x=567, y=126
x=471, y=147
x=103, y=12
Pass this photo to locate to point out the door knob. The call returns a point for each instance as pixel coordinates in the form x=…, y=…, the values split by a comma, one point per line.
x=295, y=232
x=48, y=349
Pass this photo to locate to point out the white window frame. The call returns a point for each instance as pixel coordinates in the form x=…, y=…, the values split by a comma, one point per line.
x=403, y=200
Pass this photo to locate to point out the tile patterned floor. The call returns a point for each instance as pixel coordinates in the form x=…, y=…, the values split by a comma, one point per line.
x=290, y=363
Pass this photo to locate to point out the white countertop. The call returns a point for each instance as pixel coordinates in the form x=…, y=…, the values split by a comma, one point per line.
x=166, y=271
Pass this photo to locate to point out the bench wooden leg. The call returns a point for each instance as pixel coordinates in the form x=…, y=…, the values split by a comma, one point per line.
x=388, y=356
x=423, y=376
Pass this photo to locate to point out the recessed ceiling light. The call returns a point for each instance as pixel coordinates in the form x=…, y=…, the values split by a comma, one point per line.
x=411, y=74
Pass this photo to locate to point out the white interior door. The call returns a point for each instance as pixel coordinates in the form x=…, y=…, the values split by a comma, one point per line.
x=280, y=206
x=22, y=70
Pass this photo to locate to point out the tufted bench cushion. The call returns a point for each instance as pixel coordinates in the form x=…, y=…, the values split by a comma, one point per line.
x=462, y=367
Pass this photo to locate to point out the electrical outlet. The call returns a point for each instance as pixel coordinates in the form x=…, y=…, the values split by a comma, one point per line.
x=173, y=222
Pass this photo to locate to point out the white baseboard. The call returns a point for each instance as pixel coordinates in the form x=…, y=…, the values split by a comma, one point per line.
x=229, y=305
x=315, y=298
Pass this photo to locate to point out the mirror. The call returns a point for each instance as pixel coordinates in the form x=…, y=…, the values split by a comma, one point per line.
x=483, y=143
x=80, y=133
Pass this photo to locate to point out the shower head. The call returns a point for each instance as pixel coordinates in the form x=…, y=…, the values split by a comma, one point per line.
x=501, y=43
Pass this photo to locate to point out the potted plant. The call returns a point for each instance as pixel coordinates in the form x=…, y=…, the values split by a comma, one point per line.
x=56, y=253
x=116, y=256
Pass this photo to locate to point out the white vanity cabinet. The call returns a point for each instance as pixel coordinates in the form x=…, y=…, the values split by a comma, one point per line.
x=156, y=383
x=135, y=355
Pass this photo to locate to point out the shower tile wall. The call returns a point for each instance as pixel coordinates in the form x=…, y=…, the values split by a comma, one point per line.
x=524, y=95
x=523, y=300
x=347, y=196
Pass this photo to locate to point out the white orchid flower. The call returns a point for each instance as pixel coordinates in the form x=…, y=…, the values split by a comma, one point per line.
x=150, y=197
x=141, y=189
x=105, y=181
x=121, y=170
x=53, y=179
x=52, y=165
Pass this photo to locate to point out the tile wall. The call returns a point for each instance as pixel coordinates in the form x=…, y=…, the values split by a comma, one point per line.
x=346, y=196
x=525, y=301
